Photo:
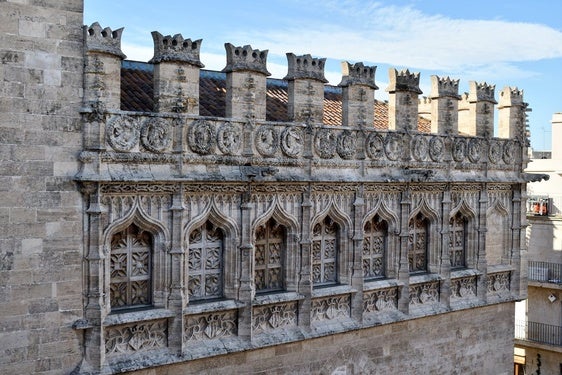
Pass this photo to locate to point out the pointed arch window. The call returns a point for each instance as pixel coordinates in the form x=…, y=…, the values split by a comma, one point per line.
x=269, y=255
x=205, y=262
x=374, y=248
x=131, y=268
x=325, y=247
x=418, y=242
x=457, y=241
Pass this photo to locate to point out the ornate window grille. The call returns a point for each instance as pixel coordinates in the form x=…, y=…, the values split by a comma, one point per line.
x=457, y=241
x=205, y=262
x=418, y=241
x=374, y=248
x=131, y=268
x=325, y=252
x=268, y=269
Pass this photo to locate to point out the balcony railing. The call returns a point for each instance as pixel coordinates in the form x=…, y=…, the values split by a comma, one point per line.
x=545, y=272
x=538, y=332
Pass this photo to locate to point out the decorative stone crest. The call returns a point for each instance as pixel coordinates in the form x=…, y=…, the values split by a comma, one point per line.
x=175, y=48
x=267, y=140
x=380, y=300
x=305, y=67
x=498, y=282
x=103, y=40
x=131, y=338
x=292, y=141
x=464, y=287
x=229, y=138
x=331, y=308
x=270, y=317
x=436, y=148
x=325, y=143
x=211, y=326
x=375, y=146
x=346, y=145
x=424, y=293
x=156, y=135
x=201, y=137
x=122, y=133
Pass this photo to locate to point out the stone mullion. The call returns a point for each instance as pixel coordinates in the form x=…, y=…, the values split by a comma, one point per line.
x=445, y=262
x=357, y=272
x=177, y=298
x=482, y=264
x=97, y=301
x=247, y=291
x=403, y=269
x=305, y=281
x=516, y=241
x=523, y=268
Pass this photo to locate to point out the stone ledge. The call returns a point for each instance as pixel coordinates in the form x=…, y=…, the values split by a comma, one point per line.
x=332, y=291
x=267, y=299
x=212, y=306
x=137, y=316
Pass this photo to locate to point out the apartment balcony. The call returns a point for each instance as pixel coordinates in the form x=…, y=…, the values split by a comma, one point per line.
x=540, y=333
x=545, y=272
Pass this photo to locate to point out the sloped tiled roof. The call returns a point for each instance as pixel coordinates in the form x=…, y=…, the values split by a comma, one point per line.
x=137, y=95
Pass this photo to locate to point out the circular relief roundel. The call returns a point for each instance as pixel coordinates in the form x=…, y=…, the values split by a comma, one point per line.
x=392, y=146
x=346, y=145
x=156, y=135
x=375, y=146
x=228, y=138
x=459, y=149
x=474, y=150
x=122, y=133
x=201, y=137
x=267, y=140
x=292, y=141
x=495, y=152
x=436, y=147
x=419, y=148
x=325, y=143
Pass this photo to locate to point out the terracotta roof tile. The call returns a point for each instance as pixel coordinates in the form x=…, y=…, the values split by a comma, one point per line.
x=137, y=95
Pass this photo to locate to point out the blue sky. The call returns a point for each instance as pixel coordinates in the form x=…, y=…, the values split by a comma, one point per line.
x=502, y=42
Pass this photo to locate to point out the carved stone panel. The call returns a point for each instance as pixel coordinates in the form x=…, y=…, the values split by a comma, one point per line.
x=122, y=133
x=424, y=293
x=459, y=149
x=329, y=308
x=346, y=145
x=436, y=149
x=420, y=148
x=499, y=282
x=375, y=146
x=292, y=142
x=132, y=338
x=271, y=317
x=156, y=135
x=325, y=143
x=229, y=138
x=464, y=287
x=380, y=300
x=495, y=152
x=211, y=325
x=474, y=150
x=201, y=137
x=267, y=140
x=393, y=146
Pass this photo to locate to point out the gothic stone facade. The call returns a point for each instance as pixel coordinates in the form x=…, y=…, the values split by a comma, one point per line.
x=166, y=242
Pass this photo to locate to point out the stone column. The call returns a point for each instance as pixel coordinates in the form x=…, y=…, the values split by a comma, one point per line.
x=246, y=75
x=403, y=90
x=357, y=266
x=482, y=264
x=247, y=289
x=358, y=94
x=444, y=105
x=306, y=81
x=445, y=262
x=477, y=118
x=305, y=277
x=176, y=74
x=516, y=232
x=404, y=270
x=511, y=113
x=102, y=80
x=177, y=298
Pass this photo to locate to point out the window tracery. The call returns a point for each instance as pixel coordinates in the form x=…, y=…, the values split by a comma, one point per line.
x=205, y=262
x=374, y=248
x=457, y=241
x=270, y=246
x=325, y=252
x=418, y=242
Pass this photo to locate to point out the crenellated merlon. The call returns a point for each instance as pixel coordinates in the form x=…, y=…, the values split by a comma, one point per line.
x=511, y=96
x=176, y=48
x=358, y=74
x=481, y=92
x=403, y=80
x=103, y=40
x=444, y=87
x=245, y=59
x=305, y=67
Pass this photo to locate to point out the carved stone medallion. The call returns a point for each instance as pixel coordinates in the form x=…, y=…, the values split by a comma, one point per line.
x=346, y=145
x=419, y=148
x=393, y=146
x=267, y=140
x=325, y=143
x=495, y=151
x=292, y=141
x=436, y=147
x=228, y=138
x=459, y=149
x=375, y=146
x=474, y=150
x=508, y=152
x=156, y=135
x=122, y=133
x=201, y=137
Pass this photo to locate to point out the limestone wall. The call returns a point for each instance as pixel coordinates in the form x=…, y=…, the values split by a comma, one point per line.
x=40, y=207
